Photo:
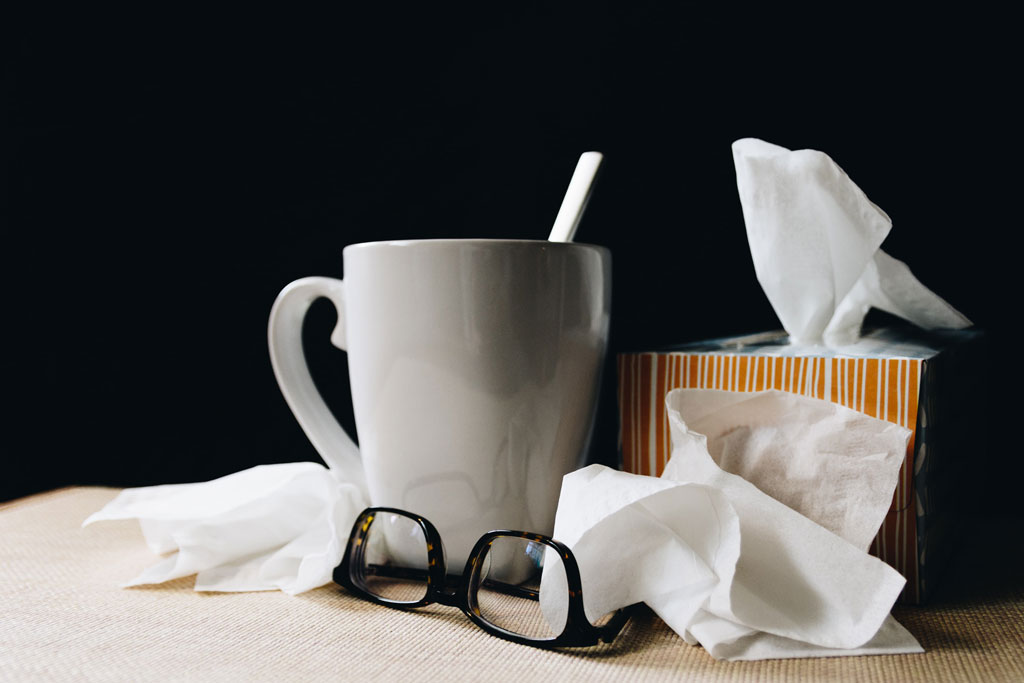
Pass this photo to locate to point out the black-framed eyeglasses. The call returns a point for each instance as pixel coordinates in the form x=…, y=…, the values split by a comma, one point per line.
x=520, y=586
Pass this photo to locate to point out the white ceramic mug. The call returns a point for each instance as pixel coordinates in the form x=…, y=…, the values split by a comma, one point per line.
x=474, y=367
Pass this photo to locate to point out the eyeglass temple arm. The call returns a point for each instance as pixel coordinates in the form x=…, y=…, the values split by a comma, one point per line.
x=608, y=631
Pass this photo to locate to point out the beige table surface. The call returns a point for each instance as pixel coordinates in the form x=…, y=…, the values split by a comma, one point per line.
x=64, y=618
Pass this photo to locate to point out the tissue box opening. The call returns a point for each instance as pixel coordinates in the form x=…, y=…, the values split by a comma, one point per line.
x=926, y=381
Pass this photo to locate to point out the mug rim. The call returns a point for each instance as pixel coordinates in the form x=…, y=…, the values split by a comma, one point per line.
x=471, y=241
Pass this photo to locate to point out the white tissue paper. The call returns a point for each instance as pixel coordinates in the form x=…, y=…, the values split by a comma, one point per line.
x=723, y=563
x=271, y=527
x=814, y=237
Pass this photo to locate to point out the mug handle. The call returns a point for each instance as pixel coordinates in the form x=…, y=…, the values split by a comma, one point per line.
x=284, y=338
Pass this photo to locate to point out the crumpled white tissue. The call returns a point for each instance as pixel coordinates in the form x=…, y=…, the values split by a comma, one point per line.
x=723, y=563
x=832, y=464
x=814, y=237
x=718, y=559
x=271, y=527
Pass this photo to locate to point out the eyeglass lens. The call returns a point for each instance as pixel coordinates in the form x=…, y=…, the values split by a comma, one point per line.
x=393, y=562
x=509, y=587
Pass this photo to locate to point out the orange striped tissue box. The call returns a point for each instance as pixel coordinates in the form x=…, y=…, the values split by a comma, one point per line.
x=926, y=381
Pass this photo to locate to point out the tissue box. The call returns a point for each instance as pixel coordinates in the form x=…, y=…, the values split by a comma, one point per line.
x=929, y=382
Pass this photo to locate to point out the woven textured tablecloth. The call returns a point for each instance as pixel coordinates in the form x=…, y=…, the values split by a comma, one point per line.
x=63, y=617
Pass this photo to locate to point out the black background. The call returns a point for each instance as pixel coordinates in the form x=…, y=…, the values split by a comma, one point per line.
x=166, y=176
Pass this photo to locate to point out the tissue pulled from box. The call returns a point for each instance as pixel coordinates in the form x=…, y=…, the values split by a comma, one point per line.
x=723, y=563
x=271, y=527
x=814, y=237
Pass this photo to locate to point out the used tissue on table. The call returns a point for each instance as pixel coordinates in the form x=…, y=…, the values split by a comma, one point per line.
x=829, y=463
x=723, y=563
x=719, y=560
x=271, y=527
x=815, y=237
x=927, y=382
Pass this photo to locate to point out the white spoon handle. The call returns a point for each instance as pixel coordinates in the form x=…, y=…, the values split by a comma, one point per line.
x=576, y=197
